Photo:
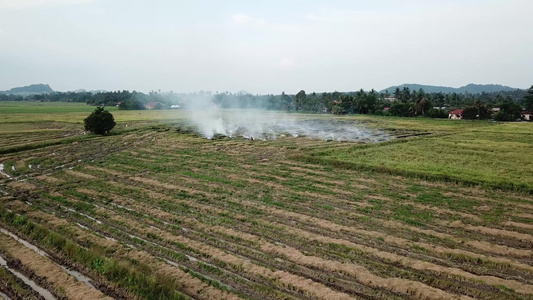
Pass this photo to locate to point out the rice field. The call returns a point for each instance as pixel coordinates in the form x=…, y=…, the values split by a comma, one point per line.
x=498, y=156
x=153, y=212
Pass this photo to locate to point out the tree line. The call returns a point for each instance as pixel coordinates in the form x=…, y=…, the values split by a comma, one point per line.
x=401, y=102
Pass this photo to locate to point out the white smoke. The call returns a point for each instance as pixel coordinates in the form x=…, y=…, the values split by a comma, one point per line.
x=210, y=121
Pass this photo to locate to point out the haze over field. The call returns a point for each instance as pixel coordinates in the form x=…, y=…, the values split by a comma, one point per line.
x=261, y=125
x=264, y=47
x=300, y=149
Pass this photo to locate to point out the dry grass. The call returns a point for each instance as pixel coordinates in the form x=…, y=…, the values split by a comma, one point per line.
x=233, y=219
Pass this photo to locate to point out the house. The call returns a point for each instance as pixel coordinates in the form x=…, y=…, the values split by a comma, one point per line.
x=526, y=115
x=456, y=114
x=154, y=105
x=386, y=109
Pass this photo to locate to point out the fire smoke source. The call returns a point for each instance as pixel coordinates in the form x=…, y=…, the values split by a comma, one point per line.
x=266, y=125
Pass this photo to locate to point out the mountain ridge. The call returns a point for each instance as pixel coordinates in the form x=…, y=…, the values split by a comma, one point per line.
x=469, y=88
x=39, y=88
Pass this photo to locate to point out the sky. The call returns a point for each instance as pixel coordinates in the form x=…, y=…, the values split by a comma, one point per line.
x=264, y=47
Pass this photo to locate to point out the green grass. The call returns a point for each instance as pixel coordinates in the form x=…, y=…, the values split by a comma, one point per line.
x=223, y=189
x=46, y=107
x=23, y=112
x=499, y=156
x=419, y=124
x=134, y=278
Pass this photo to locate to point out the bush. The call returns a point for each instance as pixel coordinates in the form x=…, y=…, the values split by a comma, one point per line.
x=131, y=104
x=512, y=109
x=337, y=110
x=437, y=113
x=470, y=113
x=475, y=112
x=503, y=116
x=399, y=109
x=100, y=121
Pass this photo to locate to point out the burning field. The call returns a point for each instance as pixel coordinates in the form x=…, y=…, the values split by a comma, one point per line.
x=158, y=214
x=264, y=125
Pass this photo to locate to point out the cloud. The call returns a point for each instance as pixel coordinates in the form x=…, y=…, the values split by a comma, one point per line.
x=21, y=4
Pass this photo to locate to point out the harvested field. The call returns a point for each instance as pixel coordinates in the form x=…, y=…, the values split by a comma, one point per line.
x=164, y=214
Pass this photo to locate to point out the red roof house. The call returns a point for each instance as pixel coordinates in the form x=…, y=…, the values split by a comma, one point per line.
x=456, y=114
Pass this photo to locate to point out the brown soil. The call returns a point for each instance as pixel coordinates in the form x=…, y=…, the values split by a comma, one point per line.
x=49, y=179
x=492, y=231
x=22, y=185
x=520, y=225
x=314, y=288
x=168, y=186
x=525, y=215
x=108, y=171
x=417, y=264
x=80, y=174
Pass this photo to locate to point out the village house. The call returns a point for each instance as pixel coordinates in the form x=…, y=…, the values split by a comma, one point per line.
x=526, y=115
x=153, y=105
x=456, y=114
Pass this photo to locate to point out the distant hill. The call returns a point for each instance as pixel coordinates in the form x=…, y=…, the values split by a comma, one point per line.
x=470, y=88
x=30, y=89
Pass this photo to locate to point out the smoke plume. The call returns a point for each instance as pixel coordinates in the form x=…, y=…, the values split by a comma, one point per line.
x=211, y=121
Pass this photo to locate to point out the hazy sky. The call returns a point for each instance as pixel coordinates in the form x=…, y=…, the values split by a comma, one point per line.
x=264, y=46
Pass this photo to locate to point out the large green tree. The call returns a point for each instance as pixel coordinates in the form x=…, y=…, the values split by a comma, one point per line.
x=299, y=101
x=476, y=111
x=399, y=109
x=100, y=121
x=512, y=109
x=422, y=104
x=529, y=99
x=131, y=104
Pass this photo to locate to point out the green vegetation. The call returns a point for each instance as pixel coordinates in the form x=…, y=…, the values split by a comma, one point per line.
x=51, y=108
x=158, y=212
x=133, y=277
x=403, y=101
x=100, y=121
x=469, y=88
x=493, y=156
x=529, y=99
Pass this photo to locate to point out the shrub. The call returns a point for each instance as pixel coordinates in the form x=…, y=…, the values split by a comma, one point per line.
x=475, y=112
x=503, y=116
x=470, y=113
x=512, y=109
x=437, y=113
x=100, y=121
x=131, y=104
x=399, y=109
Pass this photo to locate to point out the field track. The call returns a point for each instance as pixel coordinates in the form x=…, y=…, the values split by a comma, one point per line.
x=231, y=218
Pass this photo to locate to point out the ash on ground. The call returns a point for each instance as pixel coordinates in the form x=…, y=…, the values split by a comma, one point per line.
x=275, y=127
